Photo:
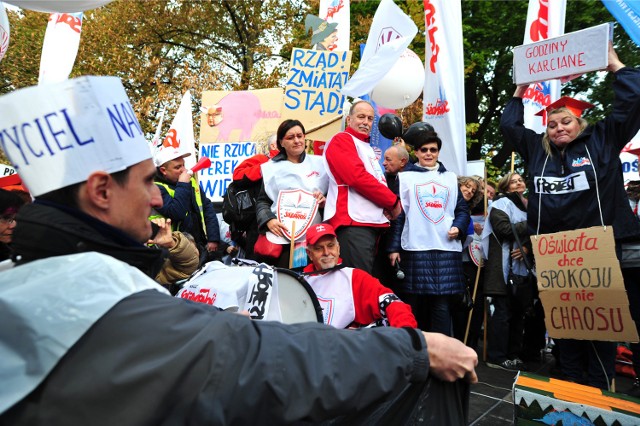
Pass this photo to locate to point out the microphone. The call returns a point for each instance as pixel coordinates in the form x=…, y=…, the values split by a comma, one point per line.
x=399, y=272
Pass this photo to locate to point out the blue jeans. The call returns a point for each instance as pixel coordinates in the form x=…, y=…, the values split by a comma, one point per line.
x=432, y=312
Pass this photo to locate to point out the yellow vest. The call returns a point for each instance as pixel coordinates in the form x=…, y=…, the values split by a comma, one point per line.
x=171, y=192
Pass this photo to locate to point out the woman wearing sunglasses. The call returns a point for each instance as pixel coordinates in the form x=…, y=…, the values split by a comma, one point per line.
x=427, y=237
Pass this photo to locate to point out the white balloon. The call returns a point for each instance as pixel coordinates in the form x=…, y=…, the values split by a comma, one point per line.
x=61, y=6
x=4, y=31
x=402, y=85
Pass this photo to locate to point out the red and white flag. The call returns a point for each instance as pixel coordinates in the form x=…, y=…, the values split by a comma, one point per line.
x=443, y=96
x=61, y=42
x=545, y=19
x=337, y=11
x=181, y=130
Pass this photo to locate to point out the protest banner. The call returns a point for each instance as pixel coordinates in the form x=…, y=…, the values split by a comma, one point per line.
x=242, y=116
x=224, y=157
x=443, y=96
x=312, y=94
x=573, y=53
x=581, y=286
x=629, y=167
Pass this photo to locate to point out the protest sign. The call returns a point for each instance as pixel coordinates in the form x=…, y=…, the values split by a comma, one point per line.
x=581, y=287
x=242, y=116
x=224, y=157
x=312, y=94
x=573, y=53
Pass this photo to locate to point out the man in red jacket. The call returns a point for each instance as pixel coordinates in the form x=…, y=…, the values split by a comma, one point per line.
x=349, y=296
x=359, y=203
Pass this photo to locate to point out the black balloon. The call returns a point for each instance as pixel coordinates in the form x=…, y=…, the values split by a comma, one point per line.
x=390, y=126
x=417, y=132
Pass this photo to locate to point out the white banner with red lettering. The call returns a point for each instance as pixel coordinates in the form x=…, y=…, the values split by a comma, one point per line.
x=443, y=96
x=545, y=19
x=61, y=42
x=337, y=11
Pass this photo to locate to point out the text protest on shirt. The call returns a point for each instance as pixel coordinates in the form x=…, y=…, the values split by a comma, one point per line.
x=564, y=56
x=581, y=286
x=312, y=94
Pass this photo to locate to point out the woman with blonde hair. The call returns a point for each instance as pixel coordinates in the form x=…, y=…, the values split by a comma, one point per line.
x=576, y=182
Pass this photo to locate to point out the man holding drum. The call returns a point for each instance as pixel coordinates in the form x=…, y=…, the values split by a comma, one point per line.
x=87, y=338
x=349, y=297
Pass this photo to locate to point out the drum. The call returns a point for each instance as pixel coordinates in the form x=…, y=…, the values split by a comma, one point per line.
x=268, y=293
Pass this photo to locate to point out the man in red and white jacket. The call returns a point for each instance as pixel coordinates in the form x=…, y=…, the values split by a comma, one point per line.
x=359, y=203
x=349, y=296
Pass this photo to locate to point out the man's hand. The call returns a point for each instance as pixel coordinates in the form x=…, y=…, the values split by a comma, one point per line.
x=212, y=246
x=164, y=237
x=393, y=213
x=184, y=176
x=450, y=359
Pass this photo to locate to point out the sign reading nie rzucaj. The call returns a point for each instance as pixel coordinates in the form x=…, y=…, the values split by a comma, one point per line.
x=573, y=53
x=224, y=157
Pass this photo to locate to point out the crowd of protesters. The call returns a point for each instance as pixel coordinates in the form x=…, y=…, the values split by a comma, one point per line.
x=397, y=245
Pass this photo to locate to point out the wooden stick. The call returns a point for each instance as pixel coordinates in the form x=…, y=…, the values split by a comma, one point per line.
x=473, y=298
x=293, y=242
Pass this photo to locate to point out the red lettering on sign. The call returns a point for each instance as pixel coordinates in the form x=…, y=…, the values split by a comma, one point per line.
x=74, y=23
x=429, y=23
x=539, y=29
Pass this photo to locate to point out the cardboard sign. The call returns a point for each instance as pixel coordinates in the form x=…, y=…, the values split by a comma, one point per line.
x=573, y=53
x=242, y=116
x=581, y=287
x=312, y=94
x=224, y=157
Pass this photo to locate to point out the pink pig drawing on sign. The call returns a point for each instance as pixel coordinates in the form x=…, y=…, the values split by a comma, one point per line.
x=240, y=111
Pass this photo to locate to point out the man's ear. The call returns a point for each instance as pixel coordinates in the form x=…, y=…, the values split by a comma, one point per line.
x=163, y=170
x=97, y=190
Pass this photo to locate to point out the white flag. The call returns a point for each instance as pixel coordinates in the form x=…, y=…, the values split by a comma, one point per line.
x=443, y=96
x=60, y=47
x=337, y=11
x=390, y=34
x=545, y=19
x=180, y=133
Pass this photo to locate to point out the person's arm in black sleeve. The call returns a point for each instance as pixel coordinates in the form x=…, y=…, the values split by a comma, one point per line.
x=263, y=209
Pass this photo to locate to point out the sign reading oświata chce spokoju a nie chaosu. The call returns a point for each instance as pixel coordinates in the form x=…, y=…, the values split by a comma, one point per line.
x=581, y=286
x=567, y=55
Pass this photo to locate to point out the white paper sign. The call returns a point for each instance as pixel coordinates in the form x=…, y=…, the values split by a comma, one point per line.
x=573, y=53
x=75, y=128
x=224, y=157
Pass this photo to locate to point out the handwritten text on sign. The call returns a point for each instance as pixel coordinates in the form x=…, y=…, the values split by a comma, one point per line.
x=224, y=157
x=314, y=82
x=581, y=286
x=573, y=53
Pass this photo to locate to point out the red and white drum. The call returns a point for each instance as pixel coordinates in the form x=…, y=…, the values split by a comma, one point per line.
x=268, y=293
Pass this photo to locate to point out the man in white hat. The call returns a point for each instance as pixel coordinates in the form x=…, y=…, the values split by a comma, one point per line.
x=89, y=339
x=184, y=200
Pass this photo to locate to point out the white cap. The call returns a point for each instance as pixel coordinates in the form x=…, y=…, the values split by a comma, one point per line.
x=164, y=154
x=56, y=135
